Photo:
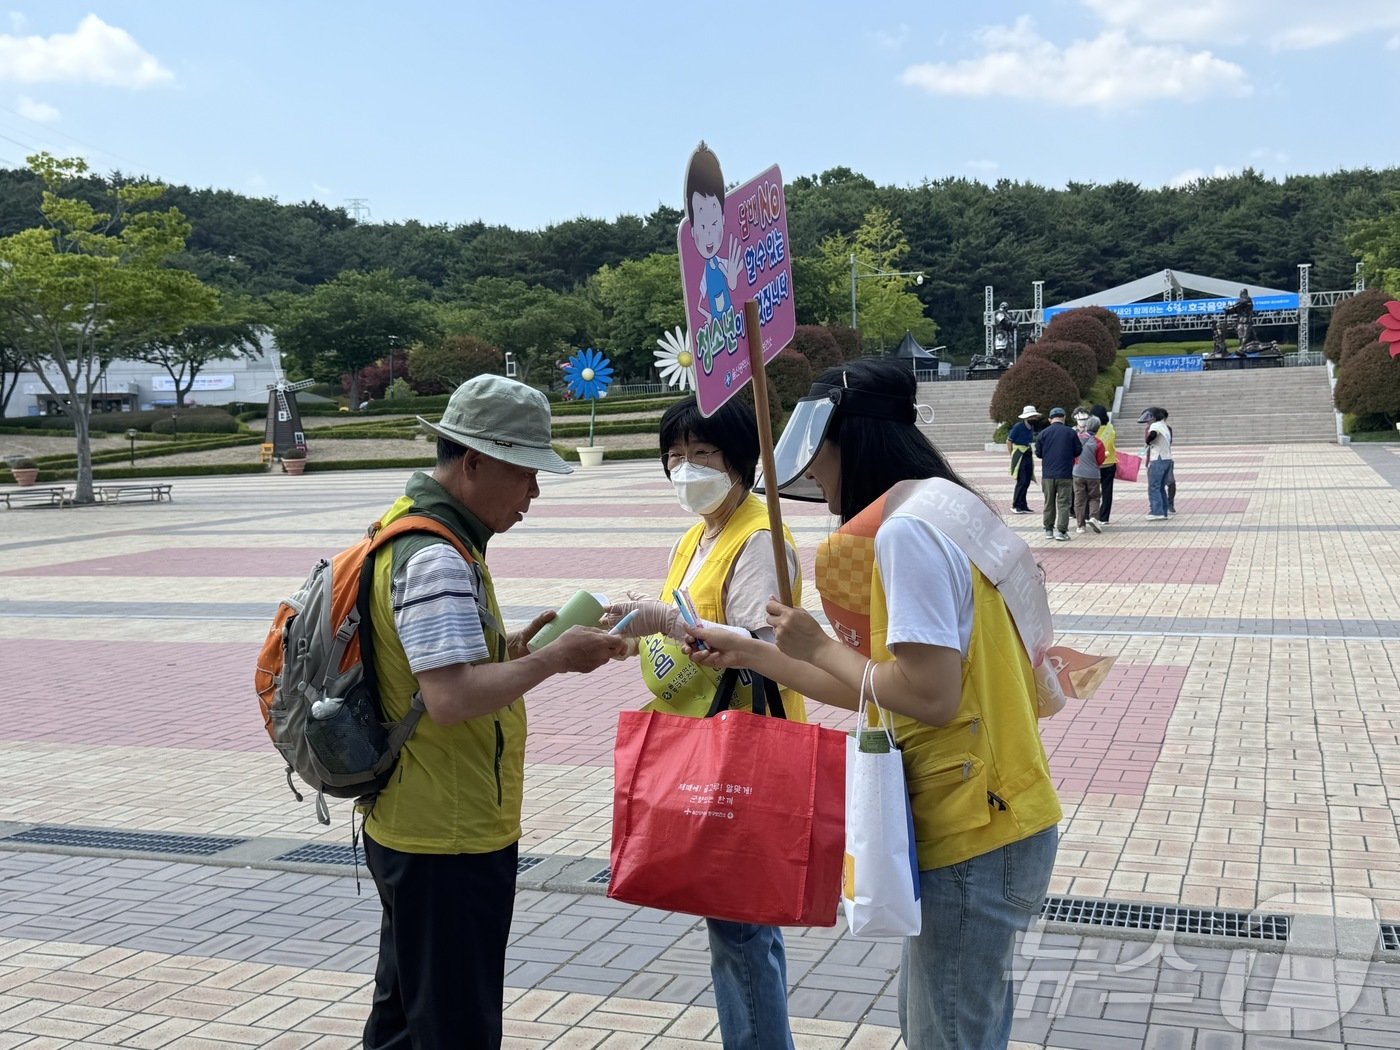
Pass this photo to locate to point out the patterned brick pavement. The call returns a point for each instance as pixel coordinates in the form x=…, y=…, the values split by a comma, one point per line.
x=1244, y=752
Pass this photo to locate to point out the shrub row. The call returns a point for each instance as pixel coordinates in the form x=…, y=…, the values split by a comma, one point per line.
x=1064, y=367
x=1368, y=378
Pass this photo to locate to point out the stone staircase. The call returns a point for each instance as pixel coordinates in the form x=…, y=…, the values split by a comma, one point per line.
x=960, y=419
x=1252, y=407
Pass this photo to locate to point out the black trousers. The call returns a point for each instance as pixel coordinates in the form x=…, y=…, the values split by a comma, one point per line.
x=440, y=982
x=1106, y=476
x=1025, y=474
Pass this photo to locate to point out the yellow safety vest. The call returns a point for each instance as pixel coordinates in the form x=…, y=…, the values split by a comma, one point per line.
x=982, y=781
x=457, y=788
x=680, y=686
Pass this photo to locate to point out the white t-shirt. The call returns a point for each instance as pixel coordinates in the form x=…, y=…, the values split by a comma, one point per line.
x=1162, y=447
x=752, y=581
x=928, y=584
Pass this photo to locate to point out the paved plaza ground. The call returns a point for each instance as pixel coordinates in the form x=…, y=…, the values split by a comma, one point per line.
x=159, y=886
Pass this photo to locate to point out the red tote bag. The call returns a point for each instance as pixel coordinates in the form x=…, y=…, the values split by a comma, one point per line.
x=1128, y=466
x=738, y=817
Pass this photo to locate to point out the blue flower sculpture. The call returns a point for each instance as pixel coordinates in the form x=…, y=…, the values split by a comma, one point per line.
x=588, y=374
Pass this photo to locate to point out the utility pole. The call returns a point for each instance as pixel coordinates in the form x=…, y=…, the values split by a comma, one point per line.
x=358, y=207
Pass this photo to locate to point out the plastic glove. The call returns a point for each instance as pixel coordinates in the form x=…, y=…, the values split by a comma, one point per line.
x=653, y=617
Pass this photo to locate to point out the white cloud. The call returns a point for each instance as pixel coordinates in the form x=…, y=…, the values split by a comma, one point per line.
x=1269, y=156
x=321, y=192
x=983, y=165
x=19, y=22
x=1284, y=25
x=1110, y=71
x=1393, y=44
x=1190, y=175
x=94, y=53
x=39, y=112
x=892, y=40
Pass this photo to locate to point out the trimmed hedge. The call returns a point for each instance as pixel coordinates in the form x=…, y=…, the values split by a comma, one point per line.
x=849, y=340
x=816, y=343
x=1362, y=308
x=1368, y=383
x=607, y=406
x=1108, y=319
x=1080, y=326
x=1355, y=337
x=1075, y=358
x=1033, y=380
x=789, y=378
x=570, y=453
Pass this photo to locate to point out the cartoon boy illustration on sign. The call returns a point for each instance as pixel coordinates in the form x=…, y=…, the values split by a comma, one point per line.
x=704, y=203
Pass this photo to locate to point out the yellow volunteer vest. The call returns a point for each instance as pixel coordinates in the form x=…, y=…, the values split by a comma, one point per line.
x=456, y=789
x=982, y=781
x=680, y=686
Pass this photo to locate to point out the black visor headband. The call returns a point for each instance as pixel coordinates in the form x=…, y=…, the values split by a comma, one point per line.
x=865, y=403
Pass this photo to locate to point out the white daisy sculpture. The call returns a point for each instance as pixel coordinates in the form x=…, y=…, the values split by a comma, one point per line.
x=674, y=360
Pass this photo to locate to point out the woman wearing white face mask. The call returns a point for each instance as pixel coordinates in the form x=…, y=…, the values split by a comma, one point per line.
x=725, y=562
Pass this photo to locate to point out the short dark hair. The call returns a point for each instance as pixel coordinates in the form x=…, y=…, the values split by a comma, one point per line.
x=449, y=452
x=704, y=177
x=879, y=453
x=732, y=429
x=1101, y=414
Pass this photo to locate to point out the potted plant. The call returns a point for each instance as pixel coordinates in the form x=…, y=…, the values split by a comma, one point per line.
x=294, y=459
x=25, y=470
x=587, y=375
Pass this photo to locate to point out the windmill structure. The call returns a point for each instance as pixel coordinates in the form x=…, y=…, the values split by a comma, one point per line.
x=283, y=419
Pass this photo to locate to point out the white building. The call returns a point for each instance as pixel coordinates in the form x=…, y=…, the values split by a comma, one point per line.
x=129, y=386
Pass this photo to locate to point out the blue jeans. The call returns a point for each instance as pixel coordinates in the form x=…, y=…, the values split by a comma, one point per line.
x=749, y=969
x=1159, y=477
x=955, y=987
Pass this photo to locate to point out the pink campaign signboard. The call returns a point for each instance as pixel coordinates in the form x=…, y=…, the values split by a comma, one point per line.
x=733, y=248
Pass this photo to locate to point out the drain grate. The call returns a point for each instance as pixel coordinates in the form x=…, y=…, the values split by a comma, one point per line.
x=1172, y=918
x=600, y=879
x=315, y=853
x=128, y=841
x=1390, y=937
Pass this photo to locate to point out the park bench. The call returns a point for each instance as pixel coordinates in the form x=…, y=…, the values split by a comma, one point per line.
x=153, y=491
x=44, y=495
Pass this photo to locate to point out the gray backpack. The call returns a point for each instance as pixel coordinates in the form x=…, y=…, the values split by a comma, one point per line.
x=316, y=678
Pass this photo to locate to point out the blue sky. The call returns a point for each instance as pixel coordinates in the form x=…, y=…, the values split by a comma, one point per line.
x=531, y=113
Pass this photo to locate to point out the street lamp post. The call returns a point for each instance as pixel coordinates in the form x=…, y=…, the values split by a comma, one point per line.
x=175, y=426
x=131, y=437
x=918, y=276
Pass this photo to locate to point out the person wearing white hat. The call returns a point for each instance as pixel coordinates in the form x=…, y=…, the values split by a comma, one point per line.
x=442, y=839
x=1018, y=442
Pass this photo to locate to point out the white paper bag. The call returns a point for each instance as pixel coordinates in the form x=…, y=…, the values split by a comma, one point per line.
x=880, y=882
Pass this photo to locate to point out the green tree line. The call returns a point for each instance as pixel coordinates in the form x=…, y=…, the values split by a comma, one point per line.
x=613, y=283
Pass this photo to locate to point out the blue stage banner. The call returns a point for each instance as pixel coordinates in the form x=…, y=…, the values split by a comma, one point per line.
x=1166, y=363
x=1190, y=307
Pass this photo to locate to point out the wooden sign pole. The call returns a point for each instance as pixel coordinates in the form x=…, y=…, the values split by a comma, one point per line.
x=765, y=448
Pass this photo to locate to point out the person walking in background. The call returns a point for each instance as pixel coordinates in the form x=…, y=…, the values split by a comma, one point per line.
x=1086, y=477
x=1057, y=446
x=1018, y=443
x=725, y=562
x=1109, y=470
x=1157, y=451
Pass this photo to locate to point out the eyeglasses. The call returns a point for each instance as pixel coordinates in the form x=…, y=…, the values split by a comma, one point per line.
x=695, y=459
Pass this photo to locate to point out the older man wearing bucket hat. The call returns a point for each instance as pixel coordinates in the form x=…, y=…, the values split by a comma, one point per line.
x=1018, y=442
x=442, y=839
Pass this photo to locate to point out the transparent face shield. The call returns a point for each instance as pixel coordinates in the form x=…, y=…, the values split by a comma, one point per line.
x=798, y=446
